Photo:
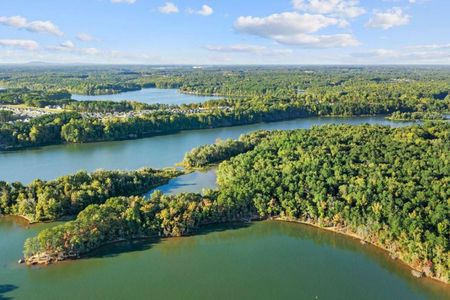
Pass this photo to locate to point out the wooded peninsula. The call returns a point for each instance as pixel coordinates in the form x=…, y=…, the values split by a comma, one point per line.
x=387, y=186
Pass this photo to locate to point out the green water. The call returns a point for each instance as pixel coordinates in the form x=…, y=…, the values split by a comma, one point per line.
x=262, y=260
x=161, y=151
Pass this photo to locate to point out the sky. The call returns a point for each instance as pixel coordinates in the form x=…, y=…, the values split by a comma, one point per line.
x=205, y=32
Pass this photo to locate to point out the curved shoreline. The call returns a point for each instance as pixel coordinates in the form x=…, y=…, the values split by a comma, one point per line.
x=45, y=259
x=354, y=235
x=176, y=131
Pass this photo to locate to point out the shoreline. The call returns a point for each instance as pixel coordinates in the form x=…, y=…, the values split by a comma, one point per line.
x=39, y=259
x=351, y=234
x=172, y=132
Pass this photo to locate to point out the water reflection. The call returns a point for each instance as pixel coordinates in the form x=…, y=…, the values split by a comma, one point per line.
x=156, y=152
x=256, y=259
x=6, y=288
x=190, y=183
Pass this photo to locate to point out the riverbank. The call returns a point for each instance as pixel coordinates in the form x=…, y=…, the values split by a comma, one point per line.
x=416, y=271
x=288, y=255
x=46, y=259
x=156, y=133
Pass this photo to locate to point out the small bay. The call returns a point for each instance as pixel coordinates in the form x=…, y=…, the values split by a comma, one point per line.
x=263, y=260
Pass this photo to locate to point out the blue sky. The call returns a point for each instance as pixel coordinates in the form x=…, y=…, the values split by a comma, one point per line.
x=225, y=31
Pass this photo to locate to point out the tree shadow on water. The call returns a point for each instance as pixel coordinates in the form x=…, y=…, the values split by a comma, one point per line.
x=138, y=245
x=221, y=227
x=117, y=248
x=6, y=288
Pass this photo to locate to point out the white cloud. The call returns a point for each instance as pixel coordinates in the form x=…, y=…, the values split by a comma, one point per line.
x=320, y=41
x=418, y=1
x=288, y=23
x=123, y=1
x=85, y=37
x=23, y=44
x=293, y=28
x=33, y=26
x=249, y=49
x=68, y=45
x=432, y=53
x=204, y=11
x=430, y=47
x=341, y=8
x=387, y=19
x=408, y=1
x=168, y=8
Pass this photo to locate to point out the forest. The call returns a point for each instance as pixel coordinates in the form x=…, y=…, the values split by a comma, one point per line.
x=251, y=95
x=67, y=195
x=73, y=127
x=124, y=218
x=414, y=116
x=389, y=186
x=207, y=155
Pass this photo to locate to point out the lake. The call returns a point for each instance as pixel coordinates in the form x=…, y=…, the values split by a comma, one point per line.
x=190, y=183
x=157, y=152
x=149, y=96
x=260, y=260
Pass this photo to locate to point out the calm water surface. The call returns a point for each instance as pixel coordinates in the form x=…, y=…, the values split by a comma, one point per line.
x=149, y=96
x=157, y=152
x=191, y=183
x=262, y=260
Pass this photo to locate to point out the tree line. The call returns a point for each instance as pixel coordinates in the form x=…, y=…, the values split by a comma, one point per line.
x=253, y=94
x=387, y=185
x=67, y=195
x=415, y=116
x=72, y=127
x=207, y=155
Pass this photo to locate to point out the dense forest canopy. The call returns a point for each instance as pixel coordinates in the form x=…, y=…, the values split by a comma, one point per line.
x=68, y=195
x=206, y=155
x=387, y=185
x=252, y=94
x=278, y=81
x=123, y=219
x=75, y=128
x=413, y=116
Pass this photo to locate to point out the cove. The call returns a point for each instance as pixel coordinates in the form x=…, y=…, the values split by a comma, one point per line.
x=156, y=152
x=149, y=96
x=264, y=260
x=260, y=260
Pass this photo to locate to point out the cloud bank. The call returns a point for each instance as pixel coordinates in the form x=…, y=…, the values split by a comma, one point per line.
x=387, y=19
x=168, y=8
x=23, y=44
x=20, y=22
x=292, y=28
